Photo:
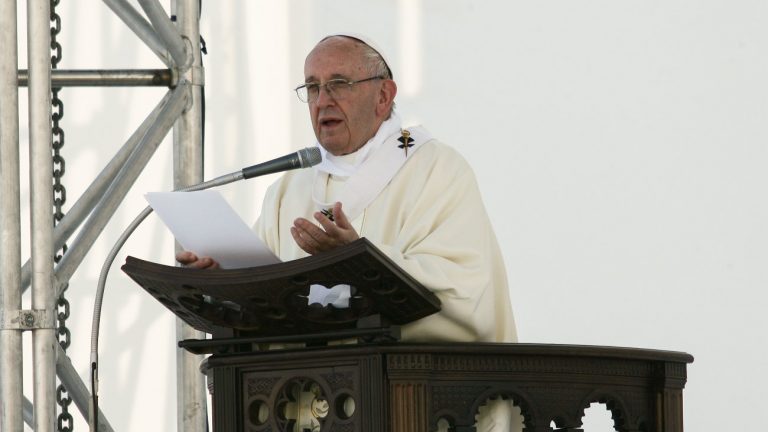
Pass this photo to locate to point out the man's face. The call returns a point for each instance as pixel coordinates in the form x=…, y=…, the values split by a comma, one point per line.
x=342, y=126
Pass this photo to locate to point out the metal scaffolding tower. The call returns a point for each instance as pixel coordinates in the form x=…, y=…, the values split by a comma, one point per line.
x=177, y=44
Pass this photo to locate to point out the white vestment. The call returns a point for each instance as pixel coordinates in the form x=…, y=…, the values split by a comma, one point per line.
x=431, y=221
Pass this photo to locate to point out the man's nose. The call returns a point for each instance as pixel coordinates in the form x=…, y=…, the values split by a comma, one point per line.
x=324, y=96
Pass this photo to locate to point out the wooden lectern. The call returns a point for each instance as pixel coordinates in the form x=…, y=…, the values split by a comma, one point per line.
x=379, y=384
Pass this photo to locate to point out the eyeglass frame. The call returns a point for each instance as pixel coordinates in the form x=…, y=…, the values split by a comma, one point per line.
x=334, y=81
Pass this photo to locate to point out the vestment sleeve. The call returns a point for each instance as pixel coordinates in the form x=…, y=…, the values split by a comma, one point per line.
x=267, y=226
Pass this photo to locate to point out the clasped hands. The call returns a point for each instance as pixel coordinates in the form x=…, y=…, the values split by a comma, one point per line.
x=309, y=237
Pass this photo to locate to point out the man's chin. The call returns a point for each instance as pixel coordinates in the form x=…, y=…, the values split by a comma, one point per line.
x=335, y=148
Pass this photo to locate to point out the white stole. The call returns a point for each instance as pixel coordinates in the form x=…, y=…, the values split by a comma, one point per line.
x=369, y=176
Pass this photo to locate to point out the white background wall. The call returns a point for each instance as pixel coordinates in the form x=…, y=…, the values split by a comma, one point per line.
x=620, y=147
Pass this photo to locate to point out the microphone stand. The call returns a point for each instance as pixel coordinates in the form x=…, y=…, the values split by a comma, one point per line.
x=304, y=158
x=94, y=405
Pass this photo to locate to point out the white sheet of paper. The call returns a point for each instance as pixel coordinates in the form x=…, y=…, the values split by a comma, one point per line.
x=204, y=223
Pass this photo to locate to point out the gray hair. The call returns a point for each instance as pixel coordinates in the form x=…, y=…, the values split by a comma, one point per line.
x=377, y=67
x=376, y=64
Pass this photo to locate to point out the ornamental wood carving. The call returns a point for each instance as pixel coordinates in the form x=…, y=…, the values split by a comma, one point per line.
x=410, y=387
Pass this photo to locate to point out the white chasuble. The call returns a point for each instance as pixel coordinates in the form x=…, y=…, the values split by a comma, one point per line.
x=428, y=218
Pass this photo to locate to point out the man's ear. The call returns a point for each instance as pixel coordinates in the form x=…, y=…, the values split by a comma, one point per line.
x=386, y=97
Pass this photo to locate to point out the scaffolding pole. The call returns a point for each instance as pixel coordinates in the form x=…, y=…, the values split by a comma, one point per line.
x=188, y=170
x=120, y=187
x=42, y=315
x=140, y=27
x=167, y=32
x=11, y=360
x=97, y=189
x=179, y=49
x=106, y=78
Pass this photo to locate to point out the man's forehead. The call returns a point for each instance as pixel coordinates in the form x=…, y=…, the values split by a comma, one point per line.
x=340, y=40
x=337, y=46
x=334, y=60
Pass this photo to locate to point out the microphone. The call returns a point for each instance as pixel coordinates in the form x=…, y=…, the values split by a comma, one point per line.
x=303, y=158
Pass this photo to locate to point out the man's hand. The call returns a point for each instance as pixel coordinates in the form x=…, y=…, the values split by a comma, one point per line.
x=189, y=259
x=329, y=235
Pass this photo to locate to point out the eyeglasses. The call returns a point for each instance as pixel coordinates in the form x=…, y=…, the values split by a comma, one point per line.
x=338, y=89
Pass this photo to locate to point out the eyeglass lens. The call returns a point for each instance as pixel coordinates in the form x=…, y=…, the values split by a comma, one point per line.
x=335, y=88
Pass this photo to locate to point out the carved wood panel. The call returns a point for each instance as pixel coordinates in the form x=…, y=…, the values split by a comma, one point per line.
x=409, y=387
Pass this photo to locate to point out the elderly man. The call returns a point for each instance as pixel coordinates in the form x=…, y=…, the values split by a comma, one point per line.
x=413, y=197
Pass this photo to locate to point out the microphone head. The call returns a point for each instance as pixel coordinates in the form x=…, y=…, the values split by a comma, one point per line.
x=309, y=156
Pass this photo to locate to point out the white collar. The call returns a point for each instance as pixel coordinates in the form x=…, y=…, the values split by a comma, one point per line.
x=346, y=166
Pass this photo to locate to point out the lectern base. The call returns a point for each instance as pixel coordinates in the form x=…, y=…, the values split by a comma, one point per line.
x=409, y=387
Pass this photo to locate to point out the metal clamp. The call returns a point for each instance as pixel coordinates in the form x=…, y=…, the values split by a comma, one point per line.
x=195, y=75
x=29, y=319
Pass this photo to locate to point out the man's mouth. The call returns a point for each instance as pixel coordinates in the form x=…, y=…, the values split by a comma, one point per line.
x=330, y=122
